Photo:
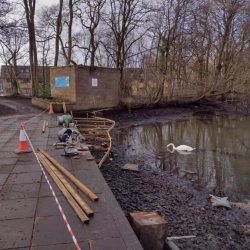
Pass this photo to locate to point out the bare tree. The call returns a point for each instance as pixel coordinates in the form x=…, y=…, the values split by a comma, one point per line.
x=124, y=19
x=46, y=33
x=5, y=9
x=89, y=13
x=229, y=10
x=30, y=8
x=58, y=32
x=12, y=44
x=68, y=20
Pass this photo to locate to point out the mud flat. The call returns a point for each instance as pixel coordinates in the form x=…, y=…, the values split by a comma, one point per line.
x=184, y=204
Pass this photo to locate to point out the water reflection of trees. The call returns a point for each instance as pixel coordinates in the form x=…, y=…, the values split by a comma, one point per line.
x=221, y=144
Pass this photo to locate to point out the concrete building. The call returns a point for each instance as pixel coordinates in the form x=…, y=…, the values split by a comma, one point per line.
x=23, y=76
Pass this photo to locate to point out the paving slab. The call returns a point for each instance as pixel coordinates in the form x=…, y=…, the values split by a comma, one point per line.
x=22, y=248
x=50, y=230
x=3, y=178
x=47, y=207
x=45, y=190
x=19, y=208
x=22, y=178
x=83, y=245
x=20, y=191
x=26, y=168
x=100, y=226
x=104, y=244
x=15, y=233
x=6, y=169
x=8, y=161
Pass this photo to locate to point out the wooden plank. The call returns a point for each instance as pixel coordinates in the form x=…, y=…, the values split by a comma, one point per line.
x=74, y=194
x=83, y=217
x=79, y=184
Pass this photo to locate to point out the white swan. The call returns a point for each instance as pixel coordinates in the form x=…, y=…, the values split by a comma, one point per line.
x=181, y=147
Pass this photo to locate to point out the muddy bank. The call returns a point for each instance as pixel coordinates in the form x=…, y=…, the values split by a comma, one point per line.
x=184, y=204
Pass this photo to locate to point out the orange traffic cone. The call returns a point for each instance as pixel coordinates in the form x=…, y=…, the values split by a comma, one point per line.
x=23, y=144
x=51, y=108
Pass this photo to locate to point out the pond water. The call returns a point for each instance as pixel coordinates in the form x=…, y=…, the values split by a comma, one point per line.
x=221, y=158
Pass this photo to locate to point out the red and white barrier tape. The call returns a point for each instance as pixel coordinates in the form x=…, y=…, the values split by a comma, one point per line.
x=77, y=246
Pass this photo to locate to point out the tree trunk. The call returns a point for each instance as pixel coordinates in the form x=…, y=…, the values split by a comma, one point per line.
x=71, y=16
x=29, y=6
x=58, y=32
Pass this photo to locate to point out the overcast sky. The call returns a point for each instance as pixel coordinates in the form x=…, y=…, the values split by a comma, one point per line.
x=47, y=2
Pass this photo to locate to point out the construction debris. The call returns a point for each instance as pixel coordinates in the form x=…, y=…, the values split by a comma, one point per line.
x=219, y=201
x=131, y=167
x=64, y=134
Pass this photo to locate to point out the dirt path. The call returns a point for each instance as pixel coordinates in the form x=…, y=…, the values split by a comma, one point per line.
x=186, y=208
x=16, y=106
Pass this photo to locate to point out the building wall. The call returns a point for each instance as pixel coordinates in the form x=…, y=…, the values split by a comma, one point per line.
x=88, y=88
x=67, y=93
x=97, y=88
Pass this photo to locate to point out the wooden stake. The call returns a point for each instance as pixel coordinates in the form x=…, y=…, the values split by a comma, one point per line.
x=110, y=142
x=181, y=237
x=79, y=184
x=64, y=108
x=83, y=217
x=44, y=126
x=74, y=194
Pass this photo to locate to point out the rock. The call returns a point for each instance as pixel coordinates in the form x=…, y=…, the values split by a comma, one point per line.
x=245, y=229
x=219, y=201
x=241, y=205
x=132, y=167
x=171, y=245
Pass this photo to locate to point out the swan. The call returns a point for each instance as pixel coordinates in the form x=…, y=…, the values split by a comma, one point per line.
x=181, y=147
